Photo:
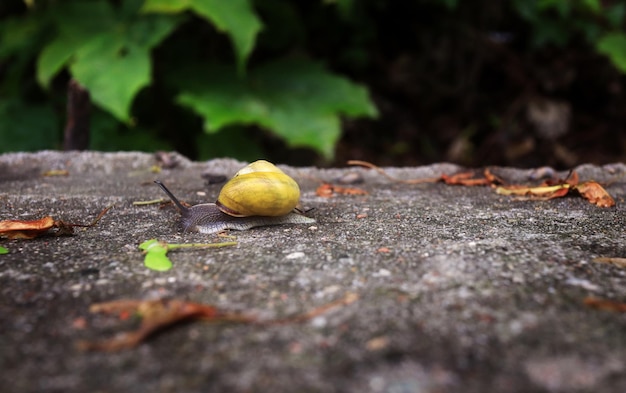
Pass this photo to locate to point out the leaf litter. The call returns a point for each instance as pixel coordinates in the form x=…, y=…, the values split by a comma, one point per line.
x=30, y=229
x=548, y=189
x=159, y=314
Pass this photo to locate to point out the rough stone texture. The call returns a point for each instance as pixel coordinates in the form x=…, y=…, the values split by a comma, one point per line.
x=477, y=292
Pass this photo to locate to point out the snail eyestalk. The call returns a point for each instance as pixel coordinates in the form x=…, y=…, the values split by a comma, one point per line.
x=179, y=205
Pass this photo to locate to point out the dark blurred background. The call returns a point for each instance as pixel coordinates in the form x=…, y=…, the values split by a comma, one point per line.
x=518, y=83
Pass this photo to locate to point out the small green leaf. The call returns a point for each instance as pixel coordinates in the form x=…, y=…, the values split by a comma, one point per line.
x=156, y=255
x=157, y=261
x=613, y=45
x=3, y=250
x=298, y=100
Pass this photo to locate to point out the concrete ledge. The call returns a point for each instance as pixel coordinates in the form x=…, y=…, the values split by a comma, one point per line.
x=460, y=289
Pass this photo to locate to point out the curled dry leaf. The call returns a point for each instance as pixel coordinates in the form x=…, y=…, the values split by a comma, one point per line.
x=551, y=188
x=462, y=179
x=30, y=229
x=328, y=190
x=465, y=179
x=595, y=193
x=535, y=193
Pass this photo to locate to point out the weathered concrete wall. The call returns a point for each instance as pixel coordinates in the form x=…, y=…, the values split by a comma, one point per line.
x=460, y=289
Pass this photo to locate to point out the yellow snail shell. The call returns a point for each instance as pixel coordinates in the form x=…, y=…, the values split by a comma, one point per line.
x=258, y=195
x=259, y=189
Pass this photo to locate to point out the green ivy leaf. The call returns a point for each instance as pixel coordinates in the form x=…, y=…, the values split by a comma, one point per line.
x=55, y=56
x=613, y=45
x=3, y=250
x=108, y=53
x=157, y=261
x=113, y=71
x=297, y=100
x=77, y=24
x=236, y=18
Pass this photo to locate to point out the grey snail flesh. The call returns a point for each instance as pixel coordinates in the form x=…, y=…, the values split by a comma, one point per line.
x=207, y=218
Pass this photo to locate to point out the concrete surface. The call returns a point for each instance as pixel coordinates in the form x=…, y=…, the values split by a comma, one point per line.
x=460, y=289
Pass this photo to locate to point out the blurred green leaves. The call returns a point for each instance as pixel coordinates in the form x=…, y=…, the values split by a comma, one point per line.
x=298, y=100
x=236, y=18
x=27, y=126
x=163, y=68
x=107, y=50
x=613, y=45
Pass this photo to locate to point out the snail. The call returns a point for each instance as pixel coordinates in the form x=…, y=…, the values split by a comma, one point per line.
x=260, y=194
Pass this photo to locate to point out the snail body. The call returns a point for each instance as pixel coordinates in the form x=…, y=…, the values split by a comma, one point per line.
x=258, y=195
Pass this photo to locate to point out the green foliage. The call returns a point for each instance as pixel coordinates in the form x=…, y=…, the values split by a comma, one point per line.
x=236, y=18
x=197, y=75
x=3, y=250
x=614, y=46
x=299, y=100
x=558, y=22
x=27, y=126
x=108, y=50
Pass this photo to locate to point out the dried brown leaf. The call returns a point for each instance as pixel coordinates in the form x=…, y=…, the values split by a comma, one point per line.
x=492, y=178
x=30, y=229
x=535, y=193
x=328, y=190
x=156, y=315
x=595, y=193
x=159, y=314
x=26, y=229
x=465, y=179
x=605, y=304
x=619, y=262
